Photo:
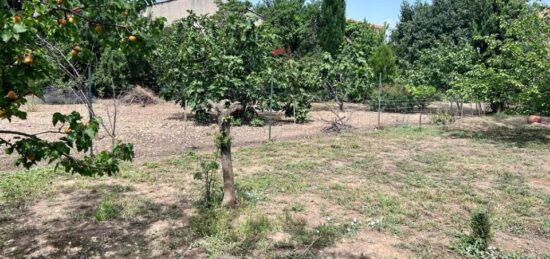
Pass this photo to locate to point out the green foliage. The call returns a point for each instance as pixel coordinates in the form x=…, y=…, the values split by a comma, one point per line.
x=206, y=173
x=110, y=75
x=222, y=140
x=423, y=25
x=384, y=62
x=332, y=25
x=108, y=209
x=257, y=122
x=515, y=64
x=43, y=41
x=481, y=228
x=442, y=119
x=476, y=245
x=393, y=98
x=294, y=82
x=479, y=51
x=292, y=24
x=236, y=122
x=229, y=42
x=443, y=66
x=79, y=136
x=349, y=74
x=24, y=186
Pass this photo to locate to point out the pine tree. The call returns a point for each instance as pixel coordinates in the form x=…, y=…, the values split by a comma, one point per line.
x=332, y=25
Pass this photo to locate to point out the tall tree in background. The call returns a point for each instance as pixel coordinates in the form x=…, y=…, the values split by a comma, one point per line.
x=332, y=25
x=383, y=62
x=293, y=22
x=423, y=25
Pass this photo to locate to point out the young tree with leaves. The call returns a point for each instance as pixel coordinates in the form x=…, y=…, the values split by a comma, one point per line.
x=384, y=63
x=213, y=58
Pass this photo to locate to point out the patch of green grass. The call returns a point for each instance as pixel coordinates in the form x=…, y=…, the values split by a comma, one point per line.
x=113, y=207
x=137, y=176
x=273, y=182
x=108, y=209
x=413, y=133
x=315, y=238
x=297, y=207
x=229, y=231
x=27, y=185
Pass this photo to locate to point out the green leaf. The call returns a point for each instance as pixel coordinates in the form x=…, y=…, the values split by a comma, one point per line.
x=19, y=28
x=6, y=36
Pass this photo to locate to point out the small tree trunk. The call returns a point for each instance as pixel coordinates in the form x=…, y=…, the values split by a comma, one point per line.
x=229, y=196
x=223, y=111
x=332, y=92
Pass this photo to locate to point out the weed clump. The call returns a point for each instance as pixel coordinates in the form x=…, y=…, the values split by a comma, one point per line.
x=476, y=244
x=108, y=209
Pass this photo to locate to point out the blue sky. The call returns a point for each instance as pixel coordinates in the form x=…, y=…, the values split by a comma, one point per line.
x=376, y=11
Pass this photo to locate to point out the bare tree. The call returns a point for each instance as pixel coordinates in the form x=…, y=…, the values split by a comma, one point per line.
x=223, y=111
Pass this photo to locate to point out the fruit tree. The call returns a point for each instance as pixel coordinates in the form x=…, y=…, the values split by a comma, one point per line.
x=41, y=40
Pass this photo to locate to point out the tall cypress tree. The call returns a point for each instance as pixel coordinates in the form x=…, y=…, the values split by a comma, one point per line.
x=332, y=25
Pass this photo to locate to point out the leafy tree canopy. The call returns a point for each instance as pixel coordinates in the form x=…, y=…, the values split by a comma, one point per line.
x=332, y=25
x=32, y=31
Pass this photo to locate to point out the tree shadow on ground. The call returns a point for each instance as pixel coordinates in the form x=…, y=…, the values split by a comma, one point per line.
x=74, y=233
x=521, y=136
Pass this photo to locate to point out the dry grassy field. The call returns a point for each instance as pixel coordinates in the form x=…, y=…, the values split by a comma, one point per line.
x=396, y=193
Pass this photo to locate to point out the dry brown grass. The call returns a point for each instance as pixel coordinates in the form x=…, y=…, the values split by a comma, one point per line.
x=141, y=96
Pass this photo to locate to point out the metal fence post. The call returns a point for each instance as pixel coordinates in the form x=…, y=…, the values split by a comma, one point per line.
x=270, y=107
x=90, y=102
x=420, y=118
x=379, y=97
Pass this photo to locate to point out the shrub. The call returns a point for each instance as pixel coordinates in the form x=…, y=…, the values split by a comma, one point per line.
x=442, y=119
x=393, y=98
x=422, y=94
x=476, y=245
x=203, y=118
x=257, y=122
x=481, y=228
x=206, y=173
x=236, y=122
x=302, y=111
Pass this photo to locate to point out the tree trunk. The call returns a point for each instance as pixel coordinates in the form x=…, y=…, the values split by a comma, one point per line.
x=497, y=107
x=335, y=96
x=229, y=197
x=223, y=111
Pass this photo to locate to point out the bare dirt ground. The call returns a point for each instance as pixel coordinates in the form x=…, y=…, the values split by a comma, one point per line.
x=161, y=130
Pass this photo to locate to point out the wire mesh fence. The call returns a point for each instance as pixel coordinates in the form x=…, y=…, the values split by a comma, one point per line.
x=368, y=116
x=166, y=128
